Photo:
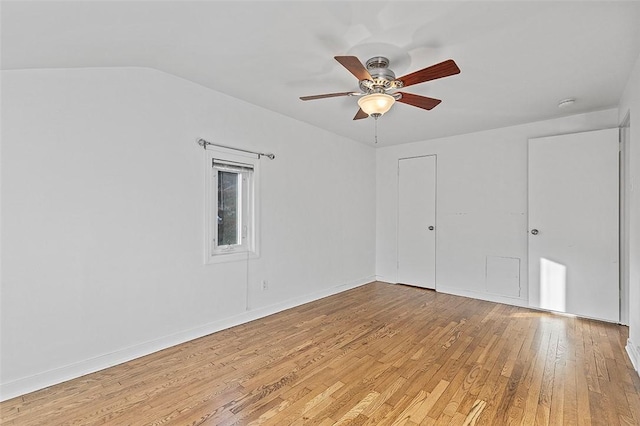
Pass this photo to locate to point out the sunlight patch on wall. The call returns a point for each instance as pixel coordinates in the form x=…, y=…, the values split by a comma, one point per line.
x=553, y=285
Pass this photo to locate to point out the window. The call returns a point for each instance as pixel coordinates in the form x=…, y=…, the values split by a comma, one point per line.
x=231, y=207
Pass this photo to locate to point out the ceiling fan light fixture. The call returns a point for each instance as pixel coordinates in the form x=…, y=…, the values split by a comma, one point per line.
x=376, y=104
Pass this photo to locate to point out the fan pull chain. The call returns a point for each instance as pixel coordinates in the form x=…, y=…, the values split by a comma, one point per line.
x=375, y=119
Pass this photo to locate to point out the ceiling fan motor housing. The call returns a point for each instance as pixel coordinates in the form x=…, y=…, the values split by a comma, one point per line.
x=383, y=78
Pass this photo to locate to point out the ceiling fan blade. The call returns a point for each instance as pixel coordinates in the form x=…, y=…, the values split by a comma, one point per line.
x=354, y=66
x=327, y=95
x=418, y=101
x=443, y=69
x=360, y=115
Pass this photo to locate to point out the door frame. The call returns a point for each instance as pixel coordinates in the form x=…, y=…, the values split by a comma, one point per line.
x=435, y=216
x=624, y=197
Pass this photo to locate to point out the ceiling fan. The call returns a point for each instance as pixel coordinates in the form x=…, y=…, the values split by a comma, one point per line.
x=377, y=80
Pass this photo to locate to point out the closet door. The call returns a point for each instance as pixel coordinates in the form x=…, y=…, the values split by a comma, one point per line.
x=573, y=224
x=416, y=221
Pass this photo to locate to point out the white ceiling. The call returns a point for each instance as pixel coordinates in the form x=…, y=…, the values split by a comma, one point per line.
x=518, y=58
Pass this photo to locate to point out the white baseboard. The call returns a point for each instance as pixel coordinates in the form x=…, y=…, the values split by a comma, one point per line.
x=634, y=355
x=49, y=378
x=506, y=300
x=515, y=301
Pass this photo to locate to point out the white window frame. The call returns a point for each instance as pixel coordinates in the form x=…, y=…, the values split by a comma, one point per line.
x=250, y=207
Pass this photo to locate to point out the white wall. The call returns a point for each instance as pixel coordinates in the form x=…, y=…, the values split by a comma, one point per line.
x=630, y=103
x=481, y=201
x=103, y=218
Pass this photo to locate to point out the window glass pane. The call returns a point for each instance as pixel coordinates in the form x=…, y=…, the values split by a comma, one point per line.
x=228, y=208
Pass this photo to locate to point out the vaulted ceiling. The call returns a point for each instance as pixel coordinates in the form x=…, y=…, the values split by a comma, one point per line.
x=518, y=58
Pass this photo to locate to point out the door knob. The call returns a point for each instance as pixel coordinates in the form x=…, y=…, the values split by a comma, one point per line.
x=534, y=232
x=431, y=228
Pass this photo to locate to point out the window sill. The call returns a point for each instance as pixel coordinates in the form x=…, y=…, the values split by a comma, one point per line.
x=231, y=257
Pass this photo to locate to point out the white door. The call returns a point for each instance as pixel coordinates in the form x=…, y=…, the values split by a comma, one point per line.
x=573, y=224
x=416, y=221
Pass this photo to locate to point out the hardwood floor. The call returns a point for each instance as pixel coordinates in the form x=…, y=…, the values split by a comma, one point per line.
x=376, y=355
